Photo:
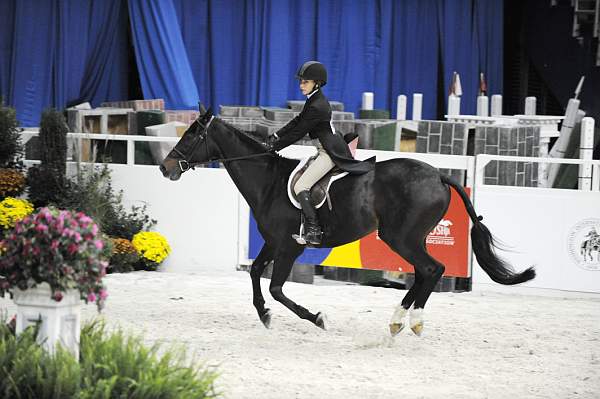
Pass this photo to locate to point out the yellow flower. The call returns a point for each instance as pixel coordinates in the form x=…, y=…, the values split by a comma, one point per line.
x=12, y=210
x=151, y=245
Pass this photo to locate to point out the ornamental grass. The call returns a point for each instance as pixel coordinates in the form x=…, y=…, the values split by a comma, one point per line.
x=111, y=365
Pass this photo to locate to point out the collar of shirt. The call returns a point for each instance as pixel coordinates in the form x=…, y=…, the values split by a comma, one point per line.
x=311, y=94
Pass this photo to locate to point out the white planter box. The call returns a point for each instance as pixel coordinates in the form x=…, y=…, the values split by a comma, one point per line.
x=60, y=321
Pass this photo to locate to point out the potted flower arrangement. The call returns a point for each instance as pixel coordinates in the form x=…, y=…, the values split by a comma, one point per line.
x=152, y=247
x=52, y=260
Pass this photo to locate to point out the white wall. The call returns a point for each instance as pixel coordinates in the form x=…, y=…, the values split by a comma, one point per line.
x=197, y=214
x=543, y=228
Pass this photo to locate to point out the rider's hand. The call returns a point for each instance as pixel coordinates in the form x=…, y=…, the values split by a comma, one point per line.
x=270, y=143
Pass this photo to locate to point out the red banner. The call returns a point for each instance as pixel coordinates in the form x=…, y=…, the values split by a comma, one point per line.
x=448, y=243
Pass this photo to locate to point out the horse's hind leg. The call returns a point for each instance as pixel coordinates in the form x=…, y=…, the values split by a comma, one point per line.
x=427, y=273
x=281, y=270
x=397, y=321
x=432, y=271
x=258, y=267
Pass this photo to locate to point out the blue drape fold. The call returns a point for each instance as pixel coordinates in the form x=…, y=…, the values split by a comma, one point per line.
x=161, y=57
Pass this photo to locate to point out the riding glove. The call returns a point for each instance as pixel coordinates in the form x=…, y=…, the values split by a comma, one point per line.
x=270, y=143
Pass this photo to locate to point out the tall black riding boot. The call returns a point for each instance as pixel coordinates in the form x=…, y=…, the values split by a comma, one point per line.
x=313, y=229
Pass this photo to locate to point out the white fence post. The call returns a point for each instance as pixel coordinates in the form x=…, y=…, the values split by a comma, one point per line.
x=453, y=105
x=367, y=100
x=496, y=105
x=586, y=149
x=530, y=104
x=417, y=106
x=401, y=108
x=482, y=106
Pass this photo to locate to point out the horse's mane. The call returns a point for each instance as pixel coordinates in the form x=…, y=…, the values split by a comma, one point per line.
x=257, y=141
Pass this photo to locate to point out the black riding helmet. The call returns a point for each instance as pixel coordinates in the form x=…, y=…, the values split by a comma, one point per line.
x=313, y=70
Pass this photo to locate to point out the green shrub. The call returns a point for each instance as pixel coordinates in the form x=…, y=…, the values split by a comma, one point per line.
x=91, y=192
x=10, y=140
x=112, y=365
x=47, y=181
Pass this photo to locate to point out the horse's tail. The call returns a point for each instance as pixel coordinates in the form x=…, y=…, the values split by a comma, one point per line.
x=484, y=245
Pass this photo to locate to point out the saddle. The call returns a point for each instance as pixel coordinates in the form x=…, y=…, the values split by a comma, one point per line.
x=319, y=193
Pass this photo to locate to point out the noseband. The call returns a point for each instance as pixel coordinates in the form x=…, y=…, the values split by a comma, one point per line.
x=185, y=165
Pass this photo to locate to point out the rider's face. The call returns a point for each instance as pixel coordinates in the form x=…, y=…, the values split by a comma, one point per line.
x=307, y=86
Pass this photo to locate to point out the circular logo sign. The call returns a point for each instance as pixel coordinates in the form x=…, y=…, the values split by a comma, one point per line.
x=584, y=244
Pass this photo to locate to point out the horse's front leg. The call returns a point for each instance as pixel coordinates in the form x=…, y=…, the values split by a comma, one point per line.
x=284, y=261
x=258, y=266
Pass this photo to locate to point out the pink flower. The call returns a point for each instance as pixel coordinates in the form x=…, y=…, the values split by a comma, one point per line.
x=94, y=229
x=72, y=249
x=103, y=294
x=54, y=244
x=91, y=297
x=41, y=228
x=77, y=237
x=99, y=244
x=58, y=296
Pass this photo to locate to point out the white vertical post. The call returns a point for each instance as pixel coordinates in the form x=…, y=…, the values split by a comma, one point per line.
x=496, y=105
x=586, y=149
x=530, y=105
x=367, y=100
x=401, y=108
x=417, y=106
x=482, y=106
x=560, y=146
x=453, y=105
x=401, y=116
x=130, y=152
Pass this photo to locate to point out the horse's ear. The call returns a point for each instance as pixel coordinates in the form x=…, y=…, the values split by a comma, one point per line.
x=201, y=108
x=209, y=112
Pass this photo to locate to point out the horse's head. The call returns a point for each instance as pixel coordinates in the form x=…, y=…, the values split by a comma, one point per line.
x=193, y=148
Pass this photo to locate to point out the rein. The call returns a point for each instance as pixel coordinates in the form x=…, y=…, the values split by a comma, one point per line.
x=185, y=165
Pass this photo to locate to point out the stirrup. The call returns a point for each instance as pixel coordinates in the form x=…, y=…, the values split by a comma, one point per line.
x=300, y=236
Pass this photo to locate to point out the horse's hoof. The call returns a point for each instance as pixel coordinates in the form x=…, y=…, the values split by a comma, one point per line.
x=321, y=321
x=395, y=328
x=417, y=329
x=266, y=318
x=416, y=321
x=397, y=323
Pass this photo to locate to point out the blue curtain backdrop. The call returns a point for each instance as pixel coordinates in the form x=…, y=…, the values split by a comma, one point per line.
x=59, y=51
x=246, y=51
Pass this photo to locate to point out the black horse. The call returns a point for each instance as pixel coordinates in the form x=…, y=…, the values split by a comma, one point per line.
x=403, y=198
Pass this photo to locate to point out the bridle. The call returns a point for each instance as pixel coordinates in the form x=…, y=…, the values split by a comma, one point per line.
x=185, y=164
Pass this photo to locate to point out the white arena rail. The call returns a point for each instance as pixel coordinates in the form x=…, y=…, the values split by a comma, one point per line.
x=206, y=220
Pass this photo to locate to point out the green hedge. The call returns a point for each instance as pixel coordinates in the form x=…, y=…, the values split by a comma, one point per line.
x=112, y=365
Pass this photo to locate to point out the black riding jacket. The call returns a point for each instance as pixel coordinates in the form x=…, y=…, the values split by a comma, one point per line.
x=315, y=119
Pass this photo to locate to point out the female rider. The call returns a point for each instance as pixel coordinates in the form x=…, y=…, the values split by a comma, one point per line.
x=315, y=120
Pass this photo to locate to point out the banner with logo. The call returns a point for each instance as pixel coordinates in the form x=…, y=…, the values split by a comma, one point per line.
x=556, y=231
x=448, y=243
